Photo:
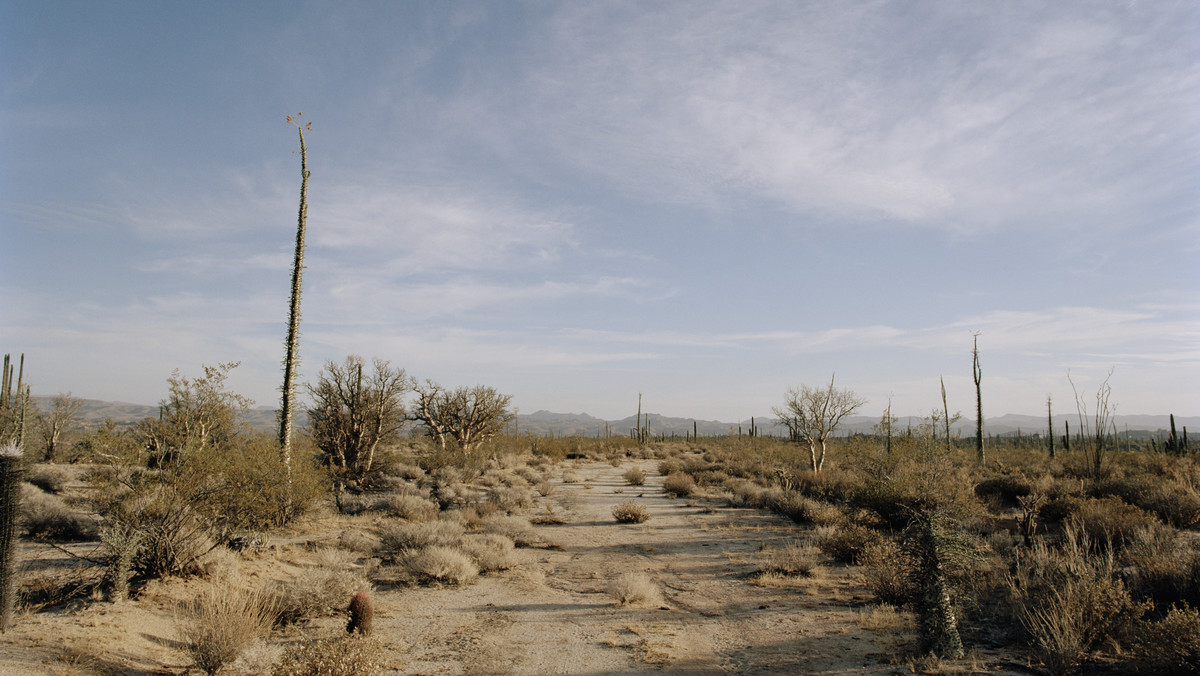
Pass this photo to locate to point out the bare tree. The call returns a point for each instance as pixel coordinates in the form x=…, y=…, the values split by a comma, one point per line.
x=1096, y=428
x=467, y=415
x=63, y=413
x=197, y=413
x=353, y=413
x=812, y=414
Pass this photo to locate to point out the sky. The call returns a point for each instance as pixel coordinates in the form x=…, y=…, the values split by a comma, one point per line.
x=576, y=202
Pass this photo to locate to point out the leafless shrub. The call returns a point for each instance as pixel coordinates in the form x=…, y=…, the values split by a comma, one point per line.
x=630, y=512
x=635, y=589
x=510, y=498
x=635, y=476
x=805, y=510
x=346, y=655
x=47, y=516
x=49, y=479
x=670, y=466
x=222, y=622
x=570, y=476
x=888, y=572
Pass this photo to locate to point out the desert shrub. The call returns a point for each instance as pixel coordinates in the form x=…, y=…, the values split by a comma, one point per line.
x=1172, y=644
x=515, y=528
x=490, y=551
x=635, y=476
x=1059, y=508
x=222, y=622
x=570, y=476
x=410, y=507
x=670, y=466
x=438, y=563
x=346, y=655
x=49, y=479
x=630, y=512
x=1070, y=601
x=888, y=572
x=46, y=516
x=1172, y=503
x=847, y=542
x=1005, y=489
x=794, y=559
x=804, y=510
x=1110, y=520
x=1160, y=565
x=120, y=546
x=635, y=589
x=510, y=498
x=396, y=537
x=679, y=485
x=407, y=472
x=317, y=591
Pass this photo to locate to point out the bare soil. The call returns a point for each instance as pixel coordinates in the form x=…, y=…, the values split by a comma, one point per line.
x=550, y=615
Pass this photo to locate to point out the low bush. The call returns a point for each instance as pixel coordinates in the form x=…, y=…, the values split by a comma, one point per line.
x=49, y=479
x=410, y=507
x=515, y=528
x=670, y=466
x=46, y=516
x=397, y=537
x=1172, y=644
x=888, y=573
x=490, y=551
x=316, y=592
x=630, y=512
x=510, y=498
x=1110, y=520
x=439, y=564
x=346, y=655
x=804, y=510
x=679, y=485
x=1005, y=489
x=794, y=559
x=635, y=589
x=222, y=622
x=846, y=543
x=635, y=476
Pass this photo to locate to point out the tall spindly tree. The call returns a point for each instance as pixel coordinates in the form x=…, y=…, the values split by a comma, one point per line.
x=291, y=357
x=811, y=414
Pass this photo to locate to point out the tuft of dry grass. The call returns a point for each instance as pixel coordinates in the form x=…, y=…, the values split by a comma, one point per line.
x=320, y=590
x=635, y=589
x=885, y=619
x=517, y=529
x=410, y=507
x=630, y=512
x=224, y=620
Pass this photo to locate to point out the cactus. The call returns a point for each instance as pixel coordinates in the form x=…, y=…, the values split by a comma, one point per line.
x=934, y=541
x=362, y=614
x=10, y=495
x=122, y=545
x=978, y=374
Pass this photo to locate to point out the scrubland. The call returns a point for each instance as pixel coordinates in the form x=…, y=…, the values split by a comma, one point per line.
x=603, y=556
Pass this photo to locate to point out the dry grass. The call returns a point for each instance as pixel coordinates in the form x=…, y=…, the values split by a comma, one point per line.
x=517, y=529
x=795, y=559
x=885, y=619
x=410, y=507
x=846, y=543
x=321, y=590
x=630, y=512
x=635, y=589
x=222, y=622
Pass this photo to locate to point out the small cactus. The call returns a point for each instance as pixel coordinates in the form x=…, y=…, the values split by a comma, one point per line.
x=362, y=614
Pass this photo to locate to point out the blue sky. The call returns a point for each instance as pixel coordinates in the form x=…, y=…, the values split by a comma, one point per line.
x=575, y=202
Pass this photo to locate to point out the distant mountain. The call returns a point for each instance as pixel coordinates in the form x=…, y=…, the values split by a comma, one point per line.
x=547, y=423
